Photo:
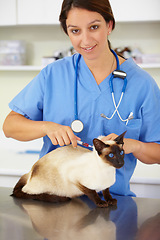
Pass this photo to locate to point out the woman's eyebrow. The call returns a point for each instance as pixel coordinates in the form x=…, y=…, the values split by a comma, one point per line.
x=94, y=21
x=74, y=26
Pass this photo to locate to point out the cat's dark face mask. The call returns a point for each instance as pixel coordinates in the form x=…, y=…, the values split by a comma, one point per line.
x=113, y=154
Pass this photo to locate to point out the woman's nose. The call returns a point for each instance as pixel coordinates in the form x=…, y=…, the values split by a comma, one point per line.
x=86, y=38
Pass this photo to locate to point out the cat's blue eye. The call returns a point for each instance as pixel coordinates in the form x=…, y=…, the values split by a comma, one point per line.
x=111, y=155
x=121, y=153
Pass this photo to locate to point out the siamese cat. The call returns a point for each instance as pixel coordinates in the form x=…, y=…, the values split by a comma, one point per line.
x=69, y=172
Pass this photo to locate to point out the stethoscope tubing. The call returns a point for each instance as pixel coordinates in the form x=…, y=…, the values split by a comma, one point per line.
x=76, y=89
x=116, y=73
x=113, y=76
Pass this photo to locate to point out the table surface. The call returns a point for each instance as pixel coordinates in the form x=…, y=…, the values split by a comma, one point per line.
x=78, y=219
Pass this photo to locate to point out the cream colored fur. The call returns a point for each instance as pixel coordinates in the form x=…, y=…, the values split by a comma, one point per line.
x=63, y=168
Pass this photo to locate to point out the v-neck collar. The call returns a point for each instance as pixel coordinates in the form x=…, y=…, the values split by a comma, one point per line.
x=88, y=79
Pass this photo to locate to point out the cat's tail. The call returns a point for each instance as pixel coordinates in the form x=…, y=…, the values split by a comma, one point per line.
x=17, y=191
x=46, y=197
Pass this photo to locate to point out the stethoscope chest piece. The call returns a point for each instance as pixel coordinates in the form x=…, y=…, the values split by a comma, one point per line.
x=77, y=126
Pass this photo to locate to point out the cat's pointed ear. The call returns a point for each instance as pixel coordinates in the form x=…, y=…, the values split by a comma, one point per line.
x=119, y=139
x=99, y=145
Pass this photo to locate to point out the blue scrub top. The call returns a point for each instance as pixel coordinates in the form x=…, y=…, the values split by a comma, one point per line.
x=50, y=97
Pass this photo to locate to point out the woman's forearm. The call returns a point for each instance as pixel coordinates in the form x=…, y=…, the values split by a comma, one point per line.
x=148, y=153
x=20, y=128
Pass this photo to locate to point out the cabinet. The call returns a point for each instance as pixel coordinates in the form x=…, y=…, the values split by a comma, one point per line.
x=136, y=10
x=38, y=11
x=7, y=12
x=27, y=12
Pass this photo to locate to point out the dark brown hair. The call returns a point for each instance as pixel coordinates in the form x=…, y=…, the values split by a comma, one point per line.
x=103, y=7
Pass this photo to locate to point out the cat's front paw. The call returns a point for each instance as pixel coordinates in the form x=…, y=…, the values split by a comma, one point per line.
x=112, y=202
x=102, y=204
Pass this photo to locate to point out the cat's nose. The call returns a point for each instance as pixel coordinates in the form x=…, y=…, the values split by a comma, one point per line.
x=120, y=164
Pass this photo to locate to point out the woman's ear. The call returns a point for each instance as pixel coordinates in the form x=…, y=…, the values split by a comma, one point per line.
x=110, y=26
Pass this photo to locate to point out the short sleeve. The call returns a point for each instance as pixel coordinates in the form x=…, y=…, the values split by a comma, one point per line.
x=150, y=130
x=29, y=102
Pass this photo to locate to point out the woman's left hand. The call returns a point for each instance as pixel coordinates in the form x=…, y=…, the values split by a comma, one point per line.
x=148, y=153
x=130, y=145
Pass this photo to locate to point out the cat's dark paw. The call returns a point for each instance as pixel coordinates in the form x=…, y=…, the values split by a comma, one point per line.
x=102, y=204
x=112, y=202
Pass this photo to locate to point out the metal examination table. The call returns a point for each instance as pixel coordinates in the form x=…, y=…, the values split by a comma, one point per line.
x=78, y=219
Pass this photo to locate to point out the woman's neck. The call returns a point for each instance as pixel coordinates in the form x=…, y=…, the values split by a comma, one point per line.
x=102, y=66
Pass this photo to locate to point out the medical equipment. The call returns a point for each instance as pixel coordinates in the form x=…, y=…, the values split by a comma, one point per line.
x=118, y=73
x=84, y=144
x=77, y=125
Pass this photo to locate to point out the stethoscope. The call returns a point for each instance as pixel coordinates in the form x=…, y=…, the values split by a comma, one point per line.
x=77, y=125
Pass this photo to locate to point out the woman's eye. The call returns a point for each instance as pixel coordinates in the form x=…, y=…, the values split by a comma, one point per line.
x=121, y=153
x=111, y=155
x=75, y=31
x=94, y=27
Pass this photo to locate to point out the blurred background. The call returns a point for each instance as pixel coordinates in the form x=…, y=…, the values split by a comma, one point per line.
x=31, y=37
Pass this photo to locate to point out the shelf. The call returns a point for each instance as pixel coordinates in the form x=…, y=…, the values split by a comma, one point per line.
x=39, y=68
x=21, y=68
x=149, y=65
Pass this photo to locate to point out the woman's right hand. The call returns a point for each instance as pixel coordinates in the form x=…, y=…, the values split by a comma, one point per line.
x=23, y=129
x=60, y=134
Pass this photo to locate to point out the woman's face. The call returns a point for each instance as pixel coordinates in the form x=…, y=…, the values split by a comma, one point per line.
x=88, y=32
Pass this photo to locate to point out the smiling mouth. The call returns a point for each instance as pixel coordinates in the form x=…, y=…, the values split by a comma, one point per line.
x=88, y=49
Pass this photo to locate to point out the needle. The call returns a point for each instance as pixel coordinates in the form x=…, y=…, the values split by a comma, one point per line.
x=84, y=144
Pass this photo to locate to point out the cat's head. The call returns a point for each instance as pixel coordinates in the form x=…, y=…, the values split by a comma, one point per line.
x=111, y=152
